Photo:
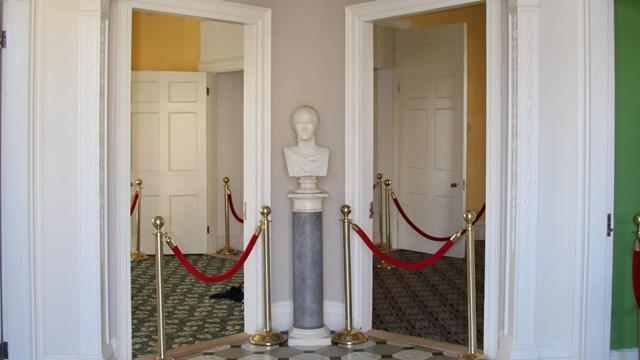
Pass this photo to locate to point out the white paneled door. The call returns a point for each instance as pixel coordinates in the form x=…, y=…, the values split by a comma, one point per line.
x=168, y=153
x=431, y=144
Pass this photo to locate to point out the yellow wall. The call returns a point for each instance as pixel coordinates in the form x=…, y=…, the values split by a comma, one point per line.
x=474, y=16
x=164, y=42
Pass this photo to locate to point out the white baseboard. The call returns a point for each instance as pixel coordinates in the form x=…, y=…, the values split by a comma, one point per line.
x=624, y=354
x=109, y=351
x=282, y=315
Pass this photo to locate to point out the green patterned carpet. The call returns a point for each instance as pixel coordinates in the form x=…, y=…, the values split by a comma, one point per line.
x=190, y=315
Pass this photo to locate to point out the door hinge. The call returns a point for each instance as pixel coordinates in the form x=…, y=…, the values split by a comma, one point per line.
x=207, y=91
x=4, y=350
x=3, y=39
x=609, y=226
x=207, y=229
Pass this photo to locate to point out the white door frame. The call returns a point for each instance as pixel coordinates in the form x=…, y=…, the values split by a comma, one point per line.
x=509, y=305
x=257, y=140
x=359, y=142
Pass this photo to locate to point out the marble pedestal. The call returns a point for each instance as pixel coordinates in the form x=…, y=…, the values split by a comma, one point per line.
x=308, y=310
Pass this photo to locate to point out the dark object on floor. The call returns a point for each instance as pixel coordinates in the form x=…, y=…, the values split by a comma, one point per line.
x=235, y=293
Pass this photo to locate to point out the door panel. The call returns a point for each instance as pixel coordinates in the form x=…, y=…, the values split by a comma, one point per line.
x=168, y=152
x=432, y=78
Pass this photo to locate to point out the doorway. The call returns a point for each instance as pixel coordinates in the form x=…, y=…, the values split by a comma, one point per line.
x=256, y=144
x=358, y=160
x=415, y=98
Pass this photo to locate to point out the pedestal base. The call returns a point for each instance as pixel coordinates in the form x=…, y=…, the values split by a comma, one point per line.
x=309, y=337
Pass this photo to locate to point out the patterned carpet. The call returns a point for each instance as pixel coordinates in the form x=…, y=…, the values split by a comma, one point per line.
x=430, y=303
x=190, y=315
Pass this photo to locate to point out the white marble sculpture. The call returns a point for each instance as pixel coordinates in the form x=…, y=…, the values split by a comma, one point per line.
x=306, y=159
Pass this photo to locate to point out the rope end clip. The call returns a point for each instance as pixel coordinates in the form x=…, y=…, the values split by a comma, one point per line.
x=457, y=236
x=169, y=241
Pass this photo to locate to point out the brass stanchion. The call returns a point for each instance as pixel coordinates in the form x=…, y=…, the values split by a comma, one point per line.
x=158, y=223
x=383, y=264
x=381, y=244
x=267, y=337
x=636, y=247
x=469, y=217
x=348, y=336
x=138, y=255
x=226, y=249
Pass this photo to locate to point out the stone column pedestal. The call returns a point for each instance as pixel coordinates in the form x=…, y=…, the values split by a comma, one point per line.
x=308, y=310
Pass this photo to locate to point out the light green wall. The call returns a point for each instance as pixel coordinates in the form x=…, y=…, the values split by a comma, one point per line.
x=624, y=329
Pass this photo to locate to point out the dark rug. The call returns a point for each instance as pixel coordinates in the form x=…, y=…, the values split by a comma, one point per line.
x=430, y=303
x=191, y=316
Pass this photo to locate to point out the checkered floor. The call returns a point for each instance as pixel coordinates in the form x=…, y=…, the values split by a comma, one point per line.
x=371, y=350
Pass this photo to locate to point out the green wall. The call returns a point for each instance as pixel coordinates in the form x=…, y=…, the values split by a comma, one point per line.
x=624, y=329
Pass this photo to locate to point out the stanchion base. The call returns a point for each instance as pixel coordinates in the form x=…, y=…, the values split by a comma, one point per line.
x=385, y=265
x=472, y=357
x=349, y=337
x=164, y=358
x=267, y=338
x=227, y=250
x=138, y=255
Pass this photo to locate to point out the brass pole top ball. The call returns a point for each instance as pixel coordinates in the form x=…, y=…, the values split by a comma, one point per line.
x=158, y=222
x=387, y=183
x=345, y=210
x=636, y=219
x=379, y=176
x=469, y=216
x=225, y=180
x=139, y=182
x=265, y=210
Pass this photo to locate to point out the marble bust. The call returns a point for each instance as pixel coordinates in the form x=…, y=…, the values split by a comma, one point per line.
x=306, y=159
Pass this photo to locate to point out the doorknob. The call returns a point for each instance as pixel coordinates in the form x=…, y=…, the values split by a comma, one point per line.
x=454, y=185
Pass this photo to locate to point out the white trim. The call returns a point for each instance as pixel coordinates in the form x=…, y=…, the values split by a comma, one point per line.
x=222, y=65
x=91, y=104
x=625, y=354
x=359, y=147
x=597, y=105
x=522, y=206
x=257, y=140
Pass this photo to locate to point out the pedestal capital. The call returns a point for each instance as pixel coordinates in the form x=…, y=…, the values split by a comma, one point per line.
x=309, y=202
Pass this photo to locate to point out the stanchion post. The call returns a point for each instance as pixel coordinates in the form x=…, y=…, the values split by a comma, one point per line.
x=158, y=223
x=469, y=217
x=267, y=337
x=636, y=247
x=348, y=336
x=226, y=249
x=387, y=214
x=381, y=244
x=138, y=255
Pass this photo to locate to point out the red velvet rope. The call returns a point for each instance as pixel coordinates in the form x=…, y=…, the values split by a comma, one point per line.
x=401, y=264
x=233, y=211
x=134, y=202
x=424, y=234
x=214, y=279
x=636, y=276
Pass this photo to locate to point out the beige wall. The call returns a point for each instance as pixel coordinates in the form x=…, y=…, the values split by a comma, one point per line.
x=307, y=65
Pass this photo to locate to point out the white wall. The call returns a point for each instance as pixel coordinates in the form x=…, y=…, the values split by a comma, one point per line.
x=228, y=143
x=307, y=68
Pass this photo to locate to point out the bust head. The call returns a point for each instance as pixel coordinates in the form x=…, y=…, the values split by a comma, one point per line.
x=305, y=122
